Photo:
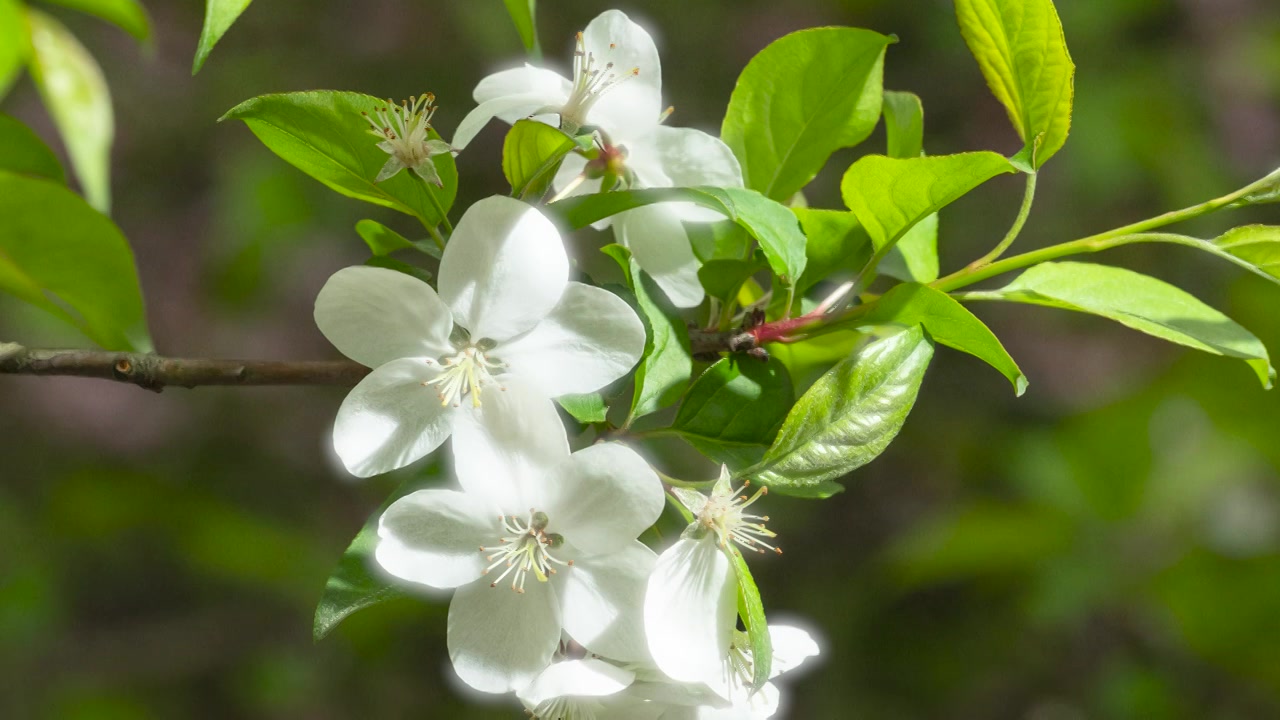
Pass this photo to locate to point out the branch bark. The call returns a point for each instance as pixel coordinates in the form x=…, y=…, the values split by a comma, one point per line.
x=155, y=373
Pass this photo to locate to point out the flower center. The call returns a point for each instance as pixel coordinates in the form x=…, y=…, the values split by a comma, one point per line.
x=525, y=549
x=465, y=374
x=405, y=128
x=590, y=82
x=723, y=514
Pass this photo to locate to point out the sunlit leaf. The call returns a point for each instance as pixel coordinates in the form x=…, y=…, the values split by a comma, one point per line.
x=522, y=14
x=381, y=239
x=737, y=401
x=586, y=408
x=915, y=256
x=22, y=151
x=531, y=154
x=218, y=17
x=128, y=15
x=751, y=610
x=15, y=43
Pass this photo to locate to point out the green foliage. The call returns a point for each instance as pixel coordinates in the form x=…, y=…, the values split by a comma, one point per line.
x=915, y=256
x=803, y=97
x=25, y=153
x=522, y=14
x=128, y=15
x=76, y=95
x=61, y=255
x=352, y=586
x=586, y=408
x=751, y=610
x=15, y=45
x=531, y=154
x=947, y=322
x=1140, y=302
x=381, y=239
x=847, y=418
x=736, y=401
x=769, y=222
x=323, y=134
x=399, y=266
x=1023, y=54
x=218, y=17
x=1256, y=247
x=834, y=242
x=903, y=124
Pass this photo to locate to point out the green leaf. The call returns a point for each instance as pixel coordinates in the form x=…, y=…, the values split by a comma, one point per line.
x=128, y=15
x=399, y=266
x=903, y=124
x=218, y=17
x=738, y=401
x=721, y=240
x=665, y=368
x=1022, y=52
x=61, y=255
x=352, y=586
x=834, y=242
x=1256, y=247
x=723, y=278
x=891, y=195
x=15, y=43
x=1140, y=302
x=800, y=99
x=22, y=151
x=586, y=408
x=847, y=418
x=751, y=610
x=531, y=154
x=947, y=322
x=769, y=222
x=381, y=239
x=522, y=14
x=74, y=91
x=323, y=134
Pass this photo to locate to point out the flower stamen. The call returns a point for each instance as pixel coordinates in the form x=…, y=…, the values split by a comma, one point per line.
x=526, y=549
x=465, y=374
x=723, y=514
x=590, y=83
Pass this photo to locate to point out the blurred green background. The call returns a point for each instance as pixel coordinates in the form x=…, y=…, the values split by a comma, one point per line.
x=1107, y=546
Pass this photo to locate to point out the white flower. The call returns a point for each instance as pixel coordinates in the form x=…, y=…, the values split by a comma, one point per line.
x=505, y=314
x=691, y=601
x=617, y=87
x=405, y=132
x=537, y=542
x=791, y=647
x=586, y=689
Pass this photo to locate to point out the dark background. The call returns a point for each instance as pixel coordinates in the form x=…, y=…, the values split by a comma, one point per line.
x=1107, y=546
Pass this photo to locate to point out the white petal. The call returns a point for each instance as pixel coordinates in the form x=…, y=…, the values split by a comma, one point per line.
x=524, y=80
x=603, y=497
x=590, y=339
x=661, y=247
x=499, y=640
x=390, y=419
x=690, y=609
x=634, y=106
x=374, y=315
x=791, y=647
x=576, y=678
x=602, y=599
x=506, y=449
x=433, y=537
x=514, y=108
x=747, y=705
x=503, y=270
x=691, y=158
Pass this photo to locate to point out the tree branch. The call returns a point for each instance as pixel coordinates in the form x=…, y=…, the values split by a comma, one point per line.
x=156, y=373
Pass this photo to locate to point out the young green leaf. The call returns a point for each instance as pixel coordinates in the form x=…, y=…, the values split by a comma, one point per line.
x=769, y=222
x=351, y=586
x=847, y=418
x=128, y=15
x=751, y=610
x=1140, y=302
x=323, y=134
x=947, y=322
x=737, y=401
x=586, y=408
x=25, y=153
x=800, y=99
x=74, y=91
x=1023, y=55
x=903, y=124
x=522, y=14
x=531, y=154
x=381, y=239
x=723, y=278
x=834, y=242
x=1257, y=246
x=891, y=195
x=218, y=17
x=15, y=43
x=61, y=255
x=915, y=256
x=722, y=240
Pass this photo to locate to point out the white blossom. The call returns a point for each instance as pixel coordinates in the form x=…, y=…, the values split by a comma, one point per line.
x=537, y=542
x=405, y=132
x=505, y=314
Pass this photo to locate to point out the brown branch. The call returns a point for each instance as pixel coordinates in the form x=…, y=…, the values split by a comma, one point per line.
x=156, y=373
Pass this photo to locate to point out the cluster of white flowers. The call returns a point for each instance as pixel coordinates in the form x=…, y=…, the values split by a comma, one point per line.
x=555, y=598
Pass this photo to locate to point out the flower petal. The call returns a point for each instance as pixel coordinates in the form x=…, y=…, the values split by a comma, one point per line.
x=374, y=315
x=390, y=420
x=634, y=106
x=791, y=647
x=691, y=158
x=590, y=339
x=511, y=95
x=589, y=677
x=499, y=640
x=506, y=449
x=603, y=497
x=602, y=600
x=747, y=705
x=690, y=607
x=661, y=247
x=503, y=270
x=433, y=537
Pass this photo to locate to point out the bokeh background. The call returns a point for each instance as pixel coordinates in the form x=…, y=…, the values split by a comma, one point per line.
x=1107, y=546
